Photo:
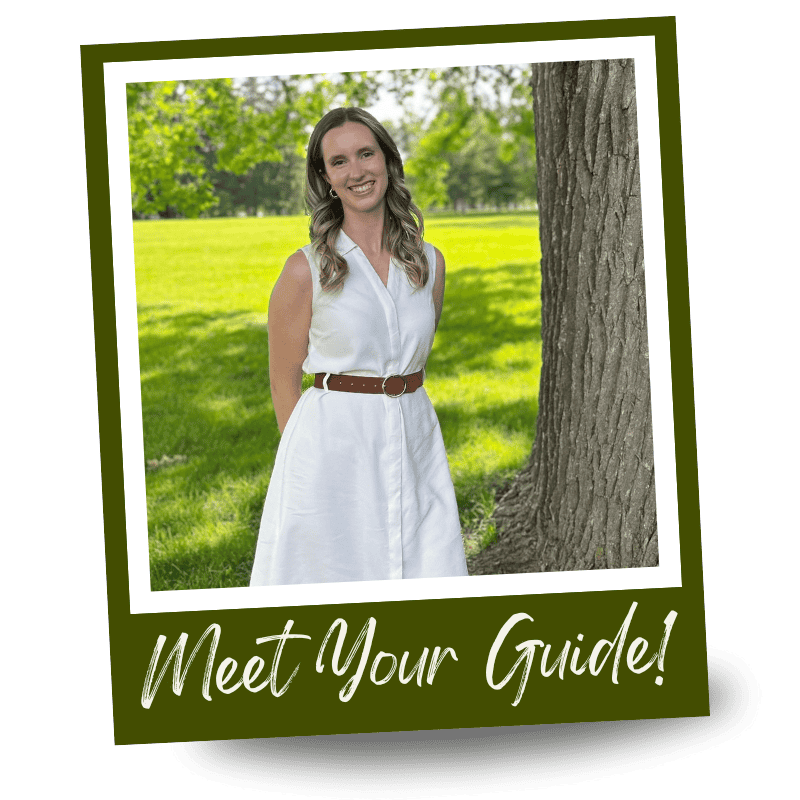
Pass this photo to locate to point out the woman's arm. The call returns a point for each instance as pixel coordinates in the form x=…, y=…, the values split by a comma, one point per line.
x=288, y=324
x=438, y=286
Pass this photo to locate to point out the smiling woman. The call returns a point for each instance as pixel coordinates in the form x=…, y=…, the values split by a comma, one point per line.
x=361, y=488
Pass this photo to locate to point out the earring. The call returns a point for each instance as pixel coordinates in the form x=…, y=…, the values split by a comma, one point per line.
x=333, y=194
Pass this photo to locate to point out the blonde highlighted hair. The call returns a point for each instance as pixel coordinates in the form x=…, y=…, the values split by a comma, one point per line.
x=403, y=226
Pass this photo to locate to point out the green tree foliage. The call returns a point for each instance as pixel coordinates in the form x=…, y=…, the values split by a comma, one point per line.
x=220, y=147
x=478, y=146
x=176, y=130
x=271, y=187
x=429, y=166
x=191, y=142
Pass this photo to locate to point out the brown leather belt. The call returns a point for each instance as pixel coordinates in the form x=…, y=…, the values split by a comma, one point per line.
x=393, y=386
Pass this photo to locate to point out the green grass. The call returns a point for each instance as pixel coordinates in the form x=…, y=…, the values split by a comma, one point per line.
x=203, y=289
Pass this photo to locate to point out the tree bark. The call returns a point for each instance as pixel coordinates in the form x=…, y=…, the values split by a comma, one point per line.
x=586, y=499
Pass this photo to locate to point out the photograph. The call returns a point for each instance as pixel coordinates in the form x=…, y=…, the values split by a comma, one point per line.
x=361, y=488
x=521, y=442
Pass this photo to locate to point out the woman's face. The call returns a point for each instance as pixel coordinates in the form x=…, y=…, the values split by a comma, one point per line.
x=355, y=167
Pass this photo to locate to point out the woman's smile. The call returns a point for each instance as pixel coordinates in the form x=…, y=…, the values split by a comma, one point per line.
x=362, y=188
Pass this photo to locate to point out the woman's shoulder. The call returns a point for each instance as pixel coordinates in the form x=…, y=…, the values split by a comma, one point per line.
x=296, y=269
x=435, y=258
x=298, y=259
x=431, y=250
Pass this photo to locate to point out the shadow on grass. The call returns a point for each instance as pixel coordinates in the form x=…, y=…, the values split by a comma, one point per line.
x=205, y=389
x=220, y=565
x=458, y=421
x=477, y=320
x=205, y=396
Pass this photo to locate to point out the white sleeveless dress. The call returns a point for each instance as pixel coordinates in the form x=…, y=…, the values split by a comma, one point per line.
x=361, y=487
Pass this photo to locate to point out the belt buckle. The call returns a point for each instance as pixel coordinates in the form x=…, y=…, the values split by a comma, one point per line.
x=402, y=378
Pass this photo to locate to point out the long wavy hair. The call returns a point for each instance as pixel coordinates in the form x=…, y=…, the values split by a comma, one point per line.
x=403, y=226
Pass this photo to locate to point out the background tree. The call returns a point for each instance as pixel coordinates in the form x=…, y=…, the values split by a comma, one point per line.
x=188, y=139
x=586, y=499
x=222, y=147
x=485, y=172
x=489, y=102
x=269, y=187
x=177, y=130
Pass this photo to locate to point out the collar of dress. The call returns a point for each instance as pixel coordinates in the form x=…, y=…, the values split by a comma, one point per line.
x=344, y=244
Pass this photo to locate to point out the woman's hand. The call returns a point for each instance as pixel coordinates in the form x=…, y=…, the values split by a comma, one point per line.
x=288, y=324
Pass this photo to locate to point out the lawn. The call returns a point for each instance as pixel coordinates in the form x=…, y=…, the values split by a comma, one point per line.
x=203, y=289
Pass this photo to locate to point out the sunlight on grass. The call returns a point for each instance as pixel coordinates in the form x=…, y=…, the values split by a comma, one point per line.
x=487, y=451
x=203, y=288
x=214, y=263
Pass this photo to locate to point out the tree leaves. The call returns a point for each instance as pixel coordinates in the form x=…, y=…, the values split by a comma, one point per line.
x=188, y=140
x=176, y=131
x=478, y=147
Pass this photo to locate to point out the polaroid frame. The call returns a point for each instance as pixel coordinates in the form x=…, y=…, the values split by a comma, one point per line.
x=463, y=614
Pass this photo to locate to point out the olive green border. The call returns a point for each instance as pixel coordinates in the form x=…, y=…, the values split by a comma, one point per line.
x=460, y=696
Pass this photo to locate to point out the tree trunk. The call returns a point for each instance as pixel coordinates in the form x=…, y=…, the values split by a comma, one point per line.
x=586, y=499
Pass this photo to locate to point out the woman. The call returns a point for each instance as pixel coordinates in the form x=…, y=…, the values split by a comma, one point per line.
x=361, y=488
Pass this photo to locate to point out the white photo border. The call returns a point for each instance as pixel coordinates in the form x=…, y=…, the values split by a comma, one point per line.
x=142, y=599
